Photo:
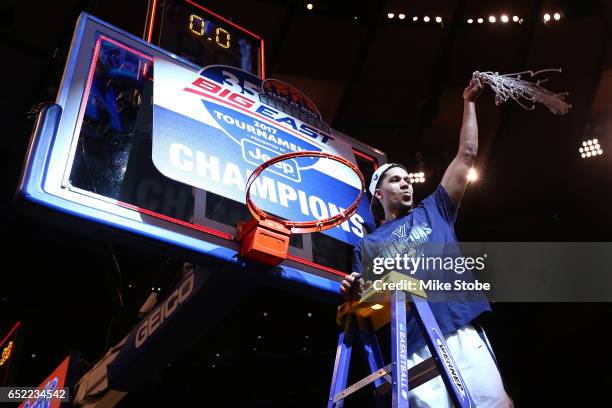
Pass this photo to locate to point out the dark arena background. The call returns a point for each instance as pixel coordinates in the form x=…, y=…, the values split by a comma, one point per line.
x=390, y=75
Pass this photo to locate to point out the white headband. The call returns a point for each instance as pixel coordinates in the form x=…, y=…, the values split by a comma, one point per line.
x=377, y=175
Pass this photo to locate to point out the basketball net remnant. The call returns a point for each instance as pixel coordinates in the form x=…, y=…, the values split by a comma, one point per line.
x=523, y=92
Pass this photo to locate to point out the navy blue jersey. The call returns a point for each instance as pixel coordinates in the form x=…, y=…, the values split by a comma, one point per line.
x=429, y=227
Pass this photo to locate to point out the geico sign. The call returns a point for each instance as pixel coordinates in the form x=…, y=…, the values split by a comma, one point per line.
x=163, y=311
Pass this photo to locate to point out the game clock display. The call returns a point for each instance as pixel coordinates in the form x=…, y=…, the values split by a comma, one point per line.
x=198, y=35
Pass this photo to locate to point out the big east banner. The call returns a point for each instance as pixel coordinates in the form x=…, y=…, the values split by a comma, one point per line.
x=213, y=128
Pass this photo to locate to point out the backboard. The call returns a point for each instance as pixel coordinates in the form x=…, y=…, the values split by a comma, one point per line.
x=91, y=158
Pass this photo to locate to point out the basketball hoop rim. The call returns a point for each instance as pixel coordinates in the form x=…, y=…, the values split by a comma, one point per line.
x=303, y=227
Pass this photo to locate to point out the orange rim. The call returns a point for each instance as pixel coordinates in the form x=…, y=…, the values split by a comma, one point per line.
x=303, y=227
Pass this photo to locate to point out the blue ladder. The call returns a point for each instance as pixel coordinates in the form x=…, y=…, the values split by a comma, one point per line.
x=366, y=316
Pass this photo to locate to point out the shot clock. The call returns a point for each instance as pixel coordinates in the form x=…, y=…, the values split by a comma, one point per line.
x=192, y=32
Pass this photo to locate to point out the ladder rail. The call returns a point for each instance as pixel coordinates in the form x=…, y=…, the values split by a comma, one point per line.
x=341, y=364
x=395, y=376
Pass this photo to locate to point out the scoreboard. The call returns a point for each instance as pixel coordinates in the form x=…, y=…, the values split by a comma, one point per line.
x=203, y=37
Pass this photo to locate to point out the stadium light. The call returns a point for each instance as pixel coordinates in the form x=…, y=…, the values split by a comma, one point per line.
x=472, y=175
x=418, y=177
x=590, y=148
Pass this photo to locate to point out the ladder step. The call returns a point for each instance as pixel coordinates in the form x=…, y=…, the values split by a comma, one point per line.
x=383, y=372
x=422, y=372
x=417, y=375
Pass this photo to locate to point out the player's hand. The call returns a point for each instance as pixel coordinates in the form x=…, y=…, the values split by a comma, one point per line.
x=351, y=286
x=471, y=92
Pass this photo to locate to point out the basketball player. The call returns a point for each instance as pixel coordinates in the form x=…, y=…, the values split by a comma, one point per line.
x=432, y=221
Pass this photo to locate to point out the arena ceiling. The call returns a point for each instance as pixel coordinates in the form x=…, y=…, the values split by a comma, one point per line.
x=394, y=84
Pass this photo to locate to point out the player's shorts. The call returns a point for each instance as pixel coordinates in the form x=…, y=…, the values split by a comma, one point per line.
x=477, y=367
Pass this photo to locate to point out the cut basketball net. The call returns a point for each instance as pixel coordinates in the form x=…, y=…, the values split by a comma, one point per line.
x=265, y=238
x=525, y=93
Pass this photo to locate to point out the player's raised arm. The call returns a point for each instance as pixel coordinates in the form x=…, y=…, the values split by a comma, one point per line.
x=455, y=177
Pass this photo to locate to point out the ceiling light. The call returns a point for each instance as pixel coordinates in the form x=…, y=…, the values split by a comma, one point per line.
x=470, y=21
x=480, y=21
x=376, y=306
x=415, y=18
x=515, y=18
x=309, y=6
x=557, y=16
x=504, y=18
x=426, y=19
x=546, y=17
x=492, y=19
x=390, y=15
x=438, y=19
x=401, y=16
